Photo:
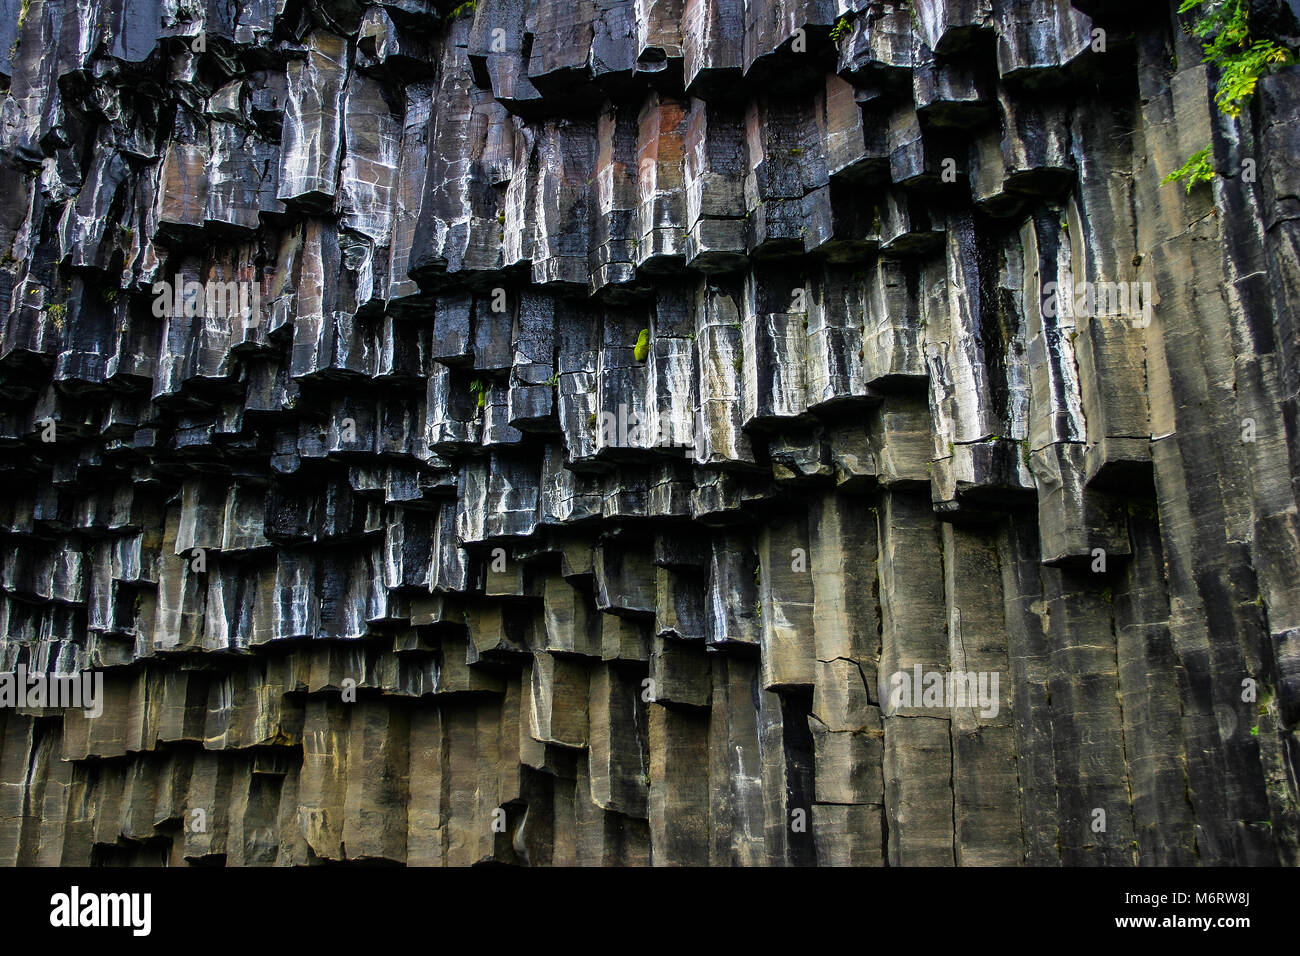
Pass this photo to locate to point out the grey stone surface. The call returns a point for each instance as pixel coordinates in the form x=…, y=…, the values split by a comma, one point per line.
x=631, y=397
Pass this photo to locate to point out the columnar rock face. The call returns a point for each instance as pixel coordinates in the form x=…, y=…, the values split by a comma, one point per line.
x=568, y=431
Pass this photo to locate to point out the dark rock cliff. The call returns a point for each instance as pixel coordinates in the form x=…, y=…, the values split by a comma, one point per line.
x=562, y=419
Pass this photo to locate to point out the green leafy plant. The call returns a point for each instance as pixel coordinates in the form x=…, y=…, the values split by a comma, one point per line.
x=841, y=29
x=479, y=388
x=642, y=348
x=1242, y=58
x=1266, y=702
x=1197, y=169
x=1241, y=74
x=464, y=10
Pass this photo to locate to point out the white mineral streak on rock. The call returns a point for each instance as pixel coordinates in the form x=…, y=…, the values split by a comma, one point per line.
x=310, y=150
x=373, y=137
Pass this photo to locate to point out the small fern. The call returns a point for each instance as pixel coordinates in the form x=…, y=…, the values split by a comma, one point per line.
x=1242, y=73
x=1242, y=59
x=1197, y=169
x=479, y=388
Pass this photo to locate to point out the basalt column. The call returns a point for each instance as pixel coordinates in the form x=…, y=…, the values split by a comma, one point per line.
x=669, y=432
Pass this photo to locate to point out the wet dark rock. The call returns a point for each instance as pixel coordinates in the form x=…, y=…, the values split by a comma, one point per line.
x=575, y=413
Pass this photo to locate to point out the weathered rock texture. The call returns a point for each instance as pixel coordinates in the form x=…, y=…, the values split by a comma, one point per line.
x=369, y=579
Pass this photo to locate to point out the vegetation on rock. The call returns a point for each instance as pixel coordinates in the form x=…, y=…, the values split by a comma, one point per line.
x=1242, y=57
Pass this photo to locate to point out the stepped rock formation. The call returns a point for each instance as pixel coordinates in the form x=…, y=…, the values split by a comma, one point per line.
x=622, y=392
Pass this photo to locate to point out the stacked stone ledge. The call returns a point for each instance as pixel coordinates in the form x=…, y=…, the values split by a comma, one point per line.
x=631, y=388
